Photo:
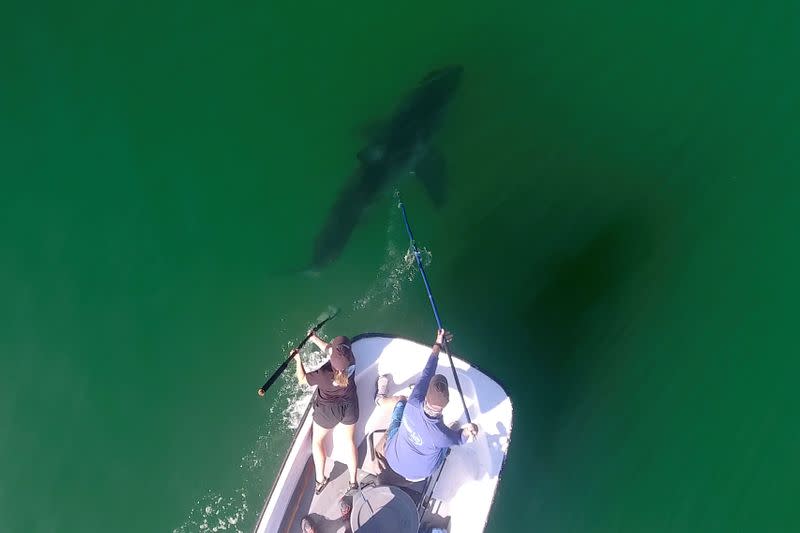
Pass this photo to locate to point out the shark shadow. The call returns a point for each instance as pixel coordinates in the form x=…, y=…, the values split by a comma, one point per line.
x=398, y=147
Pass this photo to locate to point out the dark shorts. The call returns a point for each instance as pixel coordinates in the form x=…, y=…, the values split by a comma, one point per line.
x=328, y=415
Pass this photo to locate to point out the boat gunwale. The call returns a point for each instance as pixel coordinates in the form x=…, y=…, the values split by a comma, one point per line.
x=300, y=425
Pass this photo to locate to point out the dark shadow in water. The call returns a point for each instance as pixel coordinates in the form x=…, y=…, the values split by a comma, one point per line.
x=574, y=306
x=554, y=320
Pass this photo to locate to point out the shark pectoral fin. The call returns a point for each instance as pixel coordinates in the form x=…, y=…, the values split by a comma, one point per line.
x=432, y=171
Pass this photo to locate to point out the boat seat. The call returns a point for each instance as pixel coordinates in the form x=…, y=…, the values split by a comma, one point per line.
x=371, y=443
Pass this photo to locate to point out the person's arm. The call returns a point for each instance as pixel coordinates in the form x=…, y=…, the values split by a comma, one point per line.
x=455, y=435
x=451, y=435
x=421, y=387
x=321, y=344
x=300, y=371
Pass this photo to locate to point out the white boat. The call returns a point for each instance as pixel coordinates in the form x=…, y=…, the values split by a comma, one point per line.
x=457, y=499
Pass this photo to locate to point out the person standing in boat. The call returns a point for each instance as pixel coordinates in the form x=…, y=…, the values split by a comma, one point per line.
x=335, y=403
x=417, y=438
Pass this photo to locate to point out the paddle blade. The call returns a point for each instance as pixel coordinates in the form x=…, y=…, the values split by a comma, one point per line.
x=326, y=315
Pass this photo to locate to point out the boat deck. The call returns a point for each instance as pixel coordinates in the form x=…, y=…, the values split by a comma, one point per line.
x=461, y=498
x=324, y=511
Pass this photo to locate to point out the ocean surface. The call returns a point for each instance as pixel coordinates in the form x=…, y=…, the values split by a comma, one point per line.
x=618, y=247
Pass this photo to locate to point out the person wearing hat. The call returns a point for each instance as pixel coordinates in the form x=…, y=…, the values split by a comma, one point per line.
x=417, y=438
x=335, y=402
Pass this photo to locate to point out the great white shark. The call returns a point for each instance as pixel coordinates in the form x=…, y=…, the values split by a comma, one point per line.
x=398, y=147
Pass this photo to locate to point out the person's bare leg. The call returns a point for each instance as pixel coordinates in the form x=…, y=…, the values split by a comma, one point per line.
x=318, y=450
x=390, y=401
x=348, y=442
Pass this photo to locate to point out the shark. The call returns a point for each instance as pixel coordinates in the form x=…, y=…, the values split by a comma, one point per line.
x=397, y=147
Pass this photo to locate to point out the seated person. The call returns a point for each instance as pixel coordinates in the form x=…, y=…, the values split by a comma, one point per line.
x=417, y=438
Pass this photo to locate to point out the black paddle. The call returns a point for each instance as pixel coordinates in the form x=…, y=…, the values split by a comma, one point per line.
x=263, y=390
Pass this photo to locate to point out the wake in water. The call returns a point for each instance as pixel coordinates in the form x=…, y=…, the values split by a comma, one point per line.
x=398, y=266
x=216, y=511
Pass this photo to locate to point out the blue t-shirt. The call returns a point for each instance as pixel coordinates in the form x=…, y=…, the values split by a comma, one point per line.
x=415, y=450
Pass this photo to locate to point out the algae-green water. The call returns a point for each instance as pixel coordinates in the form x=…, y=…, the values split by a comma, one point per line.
x=618, y=247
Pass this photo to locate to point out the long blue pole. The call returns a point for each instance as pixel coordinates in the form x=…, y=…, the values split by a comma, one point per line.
x=433, y=306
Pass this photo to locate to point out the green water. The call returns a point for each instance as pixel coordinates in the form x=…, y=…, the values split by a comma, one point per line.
x=618, y=247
